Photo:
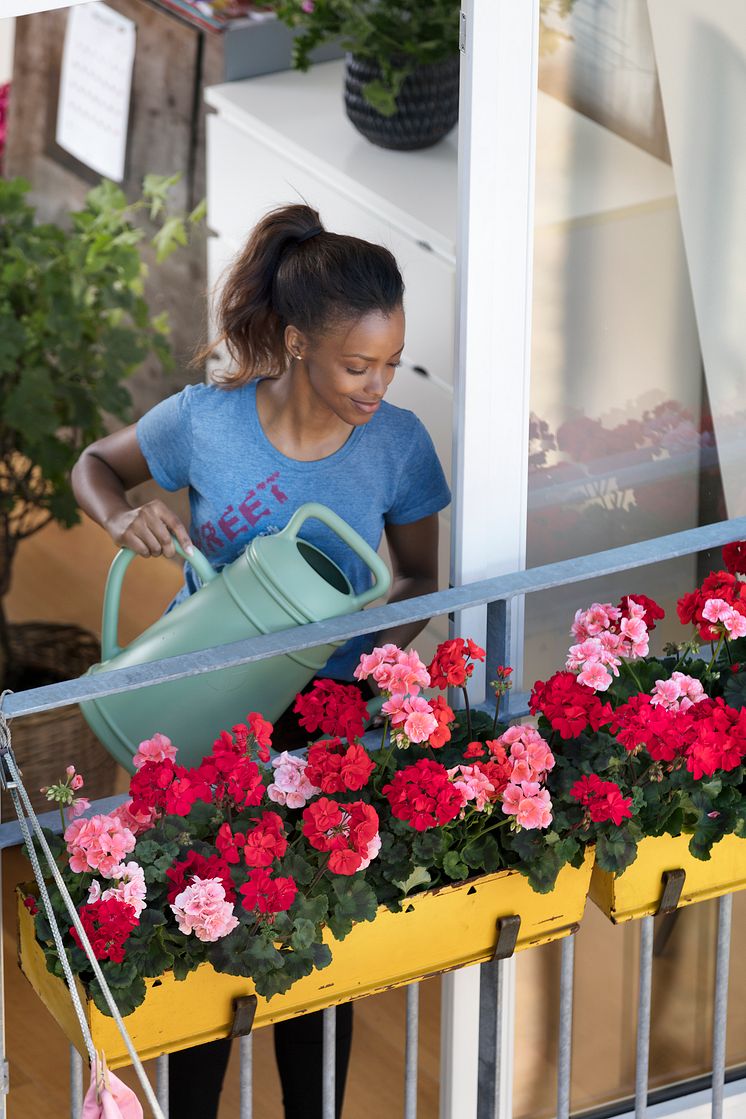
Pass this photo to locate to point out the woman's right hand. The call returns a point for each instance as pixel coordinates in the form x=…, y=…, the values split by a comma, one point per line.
x=147, y=530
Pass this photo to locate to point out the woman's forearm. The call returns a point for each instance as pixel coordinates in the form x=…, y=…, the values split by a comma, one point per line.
x=99, y=490
x=402, y=589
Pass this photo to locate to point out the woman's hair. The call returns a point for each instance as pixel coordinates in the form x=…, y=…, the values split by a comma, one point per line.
x=289, y=274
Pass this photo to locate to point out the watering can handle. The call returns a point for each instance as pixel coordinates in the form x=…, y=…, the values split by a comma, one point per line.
x=113, y=592
x=381, y=575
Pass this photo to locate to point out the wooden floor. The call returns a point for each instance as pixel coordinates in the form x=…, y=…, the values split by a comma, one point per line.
x=59, y=577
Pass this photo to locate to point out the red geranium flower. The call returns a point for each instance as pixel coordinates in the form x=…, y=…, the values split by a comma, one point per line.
x=734, y=557
x=107, y=925
x=336, y=709
x=266, y=841
x=348, y=831
x=336, y=768
x=603, y=799
x=262, y=733
x=423, y=796
x=445, y=717
x=568, y=706
x=452, y=664
x=266, y=894
x=718, y=584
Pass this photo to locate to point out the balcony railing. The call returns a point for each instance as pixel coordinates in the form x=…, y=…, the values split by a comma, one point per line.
x=495, y=595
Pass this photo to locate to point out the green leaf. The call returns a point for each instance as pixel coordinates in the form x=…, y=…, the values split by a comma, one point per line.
x=171, y=234
x=199, y=213
x=126, y=998
x=155, y=190
x=616, y=851
x=304, y=934
x=352, y=900
x=483, y=853
x=454, y=866
x=420, y=876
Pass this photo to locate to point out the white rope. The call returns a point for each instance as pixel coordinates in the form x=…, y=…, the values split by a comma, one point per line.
x=9, y=759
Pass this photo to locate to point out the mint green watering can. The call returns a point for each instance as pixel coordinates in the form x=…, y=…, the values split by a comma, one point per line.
x=278, y=582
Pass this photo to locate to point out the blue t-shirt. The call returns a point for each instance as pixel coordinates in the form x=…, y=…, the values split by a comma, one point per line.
x=240, y=486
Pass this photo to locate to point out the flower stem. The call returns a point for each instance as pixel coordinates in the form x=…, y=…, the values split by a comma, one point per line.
x=62, y=817
x=715, y=652
x=497, y=712
x=468, y=711
x=634, y=675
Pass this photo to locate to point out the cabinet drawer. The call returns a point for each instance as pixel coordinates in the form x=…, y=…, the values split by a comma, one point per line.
x=246, y=178
x=431, y=403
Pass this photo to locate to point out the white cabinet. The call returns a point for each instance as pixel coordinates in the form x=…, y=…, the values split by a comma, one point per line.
x=611, y=316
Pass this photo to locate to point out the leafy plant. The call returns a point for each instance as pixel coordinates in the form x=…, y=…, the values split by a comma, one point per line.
x=74, y=324
x=399, y=35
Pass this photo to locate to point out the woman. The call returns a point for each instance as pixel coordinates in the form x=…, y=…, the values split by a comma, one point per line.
x=314, y=324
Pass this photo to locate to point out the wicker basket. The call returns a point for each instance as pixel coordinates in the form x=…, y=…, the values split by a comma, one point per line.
x=44, y=744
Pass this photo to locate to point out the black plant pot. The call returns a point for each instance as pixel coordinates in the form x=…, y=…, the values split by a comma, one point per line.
x=427, y=105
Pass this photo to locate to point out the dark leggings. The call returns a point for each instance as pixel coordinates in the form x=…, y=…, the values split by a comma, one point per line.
x=196, y=1075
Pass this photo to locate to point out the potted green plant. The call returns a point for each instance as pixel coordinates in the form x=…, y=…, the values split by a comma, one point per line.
x=74, y=323
x=402, y=75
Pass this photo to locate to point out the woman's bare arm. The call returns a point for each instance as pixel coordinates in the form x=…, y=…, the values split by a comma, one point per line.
x=413, y=550
x=101, y=478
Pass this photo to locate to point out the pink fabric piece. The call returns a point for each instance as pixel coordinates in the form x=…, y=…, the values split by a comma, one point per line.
x=108, y=1097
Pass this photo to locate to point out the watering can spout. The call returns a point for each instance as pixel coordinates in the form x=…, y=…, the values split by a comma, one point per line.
x=278, y=582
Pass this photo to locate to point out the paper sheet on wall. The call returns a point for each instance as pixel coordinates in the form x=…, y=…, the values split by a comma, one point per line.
x=95, y=87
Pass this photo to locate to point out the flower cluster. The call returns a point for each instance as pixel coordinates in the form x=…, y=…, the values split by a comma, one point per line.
x=454, y=662
x=713, y=607
x=335, y=768
x=568, y=705
x=424, y=796
x=107, y=923
x=336, y=709
x=201, y=908
x=602, y=799
x=605, y=635
x=348, y=832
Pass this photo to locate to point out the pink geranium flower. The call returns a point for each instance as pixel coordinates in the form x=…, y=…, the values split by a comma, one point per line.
x=291, y=786
x=97, y=843
x=131, y=888
x=475, y=785
x=201, y=909
x=155, y=749
x=595, y=675
x=529, y=803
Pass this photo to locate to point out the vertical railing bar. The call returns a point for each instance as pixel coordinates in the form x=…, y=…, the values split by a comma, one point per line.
x=161, y=1083
x=76, y=1083
x=329, y=1062
x=564, y=1056
x=643, y=1017
x=502, y=1090
x=411, y=1051
x=246, y=1051
x=498, y=635
x=720, y=1008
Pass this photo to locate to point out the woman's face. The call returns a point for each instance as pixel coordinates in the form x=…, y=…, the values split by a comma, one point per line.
x=351, y=366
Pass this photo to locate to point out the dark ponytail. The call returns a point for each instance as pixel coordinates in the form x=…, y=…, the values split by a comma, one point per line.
x=292, y=270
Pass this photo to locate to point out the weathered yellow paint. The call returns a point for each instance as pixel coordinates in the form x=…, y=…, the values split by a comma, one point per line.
x=442, y=930
x=637, y=891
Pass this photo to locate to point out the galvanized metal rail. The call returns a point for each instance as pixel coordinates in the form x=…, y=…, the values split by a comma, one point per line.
x=495, y=594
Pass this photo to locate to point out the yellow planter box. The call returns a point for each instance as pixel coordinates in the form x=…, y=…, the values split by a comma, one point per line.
x=444, y=929
x=638, y=890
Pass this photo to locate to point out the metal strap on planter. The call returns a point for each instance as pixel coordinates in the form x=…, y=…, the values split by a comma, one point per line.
x=20, y=798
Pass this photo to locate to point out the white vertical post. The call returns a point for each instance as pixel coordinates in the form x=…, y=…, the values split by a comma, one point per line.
x=497, y=134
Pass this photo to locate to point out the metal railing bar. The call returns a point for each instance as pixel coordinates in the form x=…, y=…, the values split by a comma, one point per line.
x=329, y=1064
x=411, y=1051
x=161, y=1083
x=564, y=1055
x=720, y=1009
x=246, y=1075
x=76, y=1083
x=479, y=593
x=644, y=1001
